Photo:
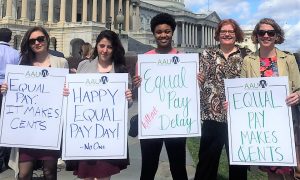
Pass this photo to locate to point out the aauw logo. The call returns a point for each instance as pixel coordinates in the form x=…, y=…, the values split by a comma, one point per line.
x=173, y=60
x=260, y=85
x=34, y=74
x=263, y=83
x=102, y=80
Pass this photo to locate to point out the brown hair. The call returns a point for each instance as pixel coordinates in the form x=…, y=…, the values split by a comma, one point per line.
x=271, y=22
x=86, y=50
x=239, y=34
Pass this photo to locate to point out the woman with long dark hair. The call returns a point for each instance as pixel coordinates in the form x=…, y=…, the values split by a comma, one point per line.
x=34, y=52
x=108, y=58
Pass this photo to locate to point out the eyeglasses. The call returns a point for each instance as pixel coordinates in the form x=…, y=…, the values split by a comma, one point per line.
x=40, y=39
x=271, y=33
x=231, y=32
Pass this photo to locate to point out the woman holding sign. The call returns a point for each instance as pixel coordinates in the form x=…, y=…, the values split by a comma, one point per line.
x=269, y=61
x=34, y=52
x=162, y=26
x=109, y=58
x=216, y=64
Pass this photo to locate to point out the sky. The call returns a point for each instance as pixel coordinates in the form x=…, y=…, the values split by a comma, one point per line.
x=248, y=12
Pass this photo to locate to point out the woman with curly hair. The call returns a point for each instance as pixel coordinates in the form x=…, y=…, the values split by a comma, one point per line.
x=269, y=61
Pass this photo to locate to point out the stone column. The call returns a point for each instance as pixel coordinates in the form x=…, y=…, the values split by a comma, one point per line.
x=205, y=35
x=24, y=10
x=214, y=32
x=138, y=24
x=94, y=18
x=62, y=15
x=38, y=6
x=8, y=9
x=74, y=11
x=127, y=16
x=196, y=36
x=50, y=11
x=190, y=35
x=112, y=13
x=120, y=6
x=202, y=36
x=103, y=14
x=175, y=37
x=84, y=11
x=183, y=35
x=193, y=35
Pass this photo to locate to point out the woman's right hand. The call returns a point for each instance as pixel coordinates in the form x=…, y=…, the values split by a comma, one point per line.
x=137, y=81
x=4, y=88
x=66, y=91
x=201, y=77
x=225, y=105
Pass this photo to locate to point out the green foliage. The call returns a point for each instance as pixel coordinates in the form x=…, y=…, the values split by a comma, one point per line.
x=193, y=146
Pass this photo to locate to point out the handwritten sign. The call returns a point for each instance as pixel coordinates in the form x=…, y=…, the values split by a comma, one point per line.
x=96, y=117
x=32, y=107
x=169, y=98
x=260, y=126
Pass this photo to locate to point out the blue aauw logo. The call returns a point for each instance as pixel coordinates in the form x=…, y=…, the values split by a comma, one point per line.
x=35, y=74
x=175, y=59
x=104, y=79
x=45, y=73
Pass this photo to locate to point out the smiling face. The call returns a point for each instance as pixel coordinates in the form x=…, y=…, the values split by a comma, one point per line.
x=227, y=35
x=37, y=42
x=105, y=49
x=163, y=35
x=266, y=36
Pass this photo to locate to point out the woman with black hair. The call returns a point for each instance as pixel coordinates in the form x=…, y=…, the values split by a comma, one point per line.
x=108, y=58
x=162, y=26
x=35, y=52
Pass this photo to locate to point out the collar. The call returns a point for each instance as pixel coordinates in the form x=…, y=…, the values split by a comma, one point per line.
x=4, y=43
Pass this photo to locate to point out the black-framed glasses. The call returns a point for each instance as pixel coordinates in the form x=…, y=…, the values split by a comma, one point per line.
x=40, y=39
x=270, y=33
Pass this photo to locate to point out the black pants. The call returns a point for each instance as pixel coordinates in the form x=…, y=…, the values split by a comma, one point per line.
x=151, y=149
x=4, y=151
x=214, y=136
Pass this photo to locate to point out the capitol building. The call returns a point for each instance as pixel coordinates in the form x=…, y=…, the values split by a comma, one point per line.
x=71, y=22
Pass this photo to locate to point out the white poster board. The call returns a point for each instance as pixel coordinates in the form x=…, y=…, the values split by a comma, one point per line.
x=260, y=126
x=96, y=117
x=169, y=96
x=32, y=107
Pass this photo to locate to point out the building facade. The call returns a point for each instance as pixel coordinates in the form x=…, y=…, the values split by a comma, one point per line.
x=70, y=22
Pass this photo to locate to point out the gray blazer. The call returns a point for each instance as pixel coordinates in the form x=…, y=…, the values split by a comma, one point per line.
x=91, y=66
x=58, y=62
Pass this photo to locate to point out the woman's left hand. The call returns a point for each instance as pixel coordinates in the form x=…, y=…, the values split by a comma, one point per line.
x=292, y=99
x=128, y=95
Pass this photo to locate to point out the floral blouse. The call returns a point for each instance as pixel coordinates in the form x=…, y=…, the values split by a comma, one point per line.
x=216, y=68
x=268, y=67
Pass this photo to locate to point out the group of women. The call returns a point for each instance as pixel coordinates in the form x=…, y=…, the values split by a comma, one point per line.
x=227, y=60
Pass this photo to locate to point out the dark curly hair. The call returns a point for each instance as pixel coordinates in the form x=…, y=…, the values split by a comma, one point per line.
x=27, y=55
x=118, y=52
x=271, y=22
x=163, y=18
x=237, y=29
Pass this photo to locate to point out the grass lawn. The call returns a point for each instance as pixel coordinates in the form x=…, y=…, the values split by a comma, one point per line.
x=193, y=145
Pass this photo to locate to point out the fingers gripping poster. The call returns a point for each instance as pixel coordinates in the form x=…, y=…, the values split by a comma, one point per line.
x=96, y=117
x=31, y=114
x=169, y=98
x=260, y=126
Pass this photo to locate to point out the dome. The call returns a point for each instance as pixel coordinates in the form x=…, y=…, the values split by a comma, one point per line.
x=166, y=3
